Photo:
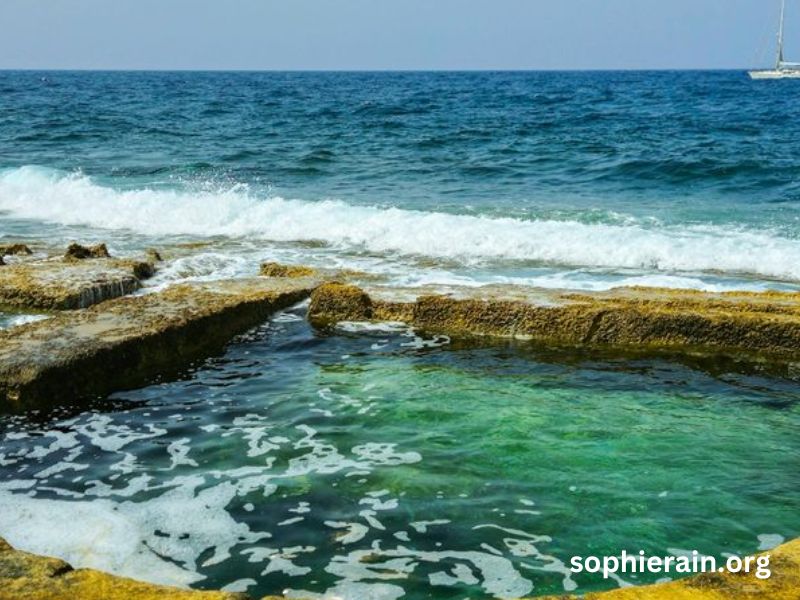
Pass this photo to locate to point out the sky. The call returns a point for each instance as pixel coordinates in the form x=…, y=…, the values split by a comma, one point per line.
x=392, y=34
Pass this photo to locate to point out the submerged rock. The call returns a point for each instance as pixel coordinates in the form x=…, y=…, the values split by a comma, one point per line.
x=272, y=269
x=16, y=249
x=78, y=252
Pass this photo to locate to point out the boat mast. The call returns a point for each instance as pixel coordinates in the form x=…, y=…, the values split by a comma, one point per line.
x=780, y=35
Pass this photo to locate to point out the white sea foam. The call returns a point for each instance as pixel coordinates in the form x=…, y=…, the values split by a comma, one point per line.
x=86, y=534
x=37, y=193
x=18, y=320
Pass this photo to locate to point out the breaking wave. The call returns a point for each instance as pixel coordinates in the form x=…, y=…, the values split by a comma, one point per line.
x=236, y=212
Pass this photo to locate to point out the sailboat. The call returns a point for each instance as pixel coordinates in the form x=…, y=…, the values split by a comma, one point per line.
x=783, y=69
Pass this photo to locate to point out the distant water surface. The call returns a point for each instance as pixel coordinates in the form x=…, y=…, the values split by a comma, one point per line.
x=375, y=461
x=583, y=180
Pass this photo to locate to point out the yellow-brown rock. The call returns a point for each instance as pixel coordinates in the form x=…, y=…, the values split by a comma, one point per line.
x=335, y=302
x=126, y=343
x=16, y=249
x=153, y=255
x=67, y=285
x=784, y=584
x=272, y=269
x=26, y=576
x=78, y=252
x=739, y=324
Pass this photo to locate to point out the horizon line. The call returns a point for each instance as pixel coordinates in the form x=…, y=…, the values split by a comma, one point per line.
x=387, y=70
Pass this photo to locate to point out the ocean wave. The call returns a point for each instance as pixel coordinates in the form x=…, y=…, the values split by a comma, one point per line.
x=235, y=211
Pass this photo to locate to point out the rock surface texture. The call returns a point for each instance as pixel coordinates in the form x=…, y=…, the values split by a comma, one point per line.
x=758, y=326
x=125, y=343
x=78, y=252
x=16, y=250
x=67, y=285
x=272, y=269
x=26, y=576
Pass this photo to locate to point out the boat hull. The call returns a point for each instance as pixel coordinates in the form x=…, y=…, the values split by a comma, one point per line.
x=775, y=74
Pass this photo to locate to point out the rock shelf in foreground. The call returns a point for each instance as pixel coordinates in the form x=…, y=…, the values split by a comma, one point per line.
x=30, y=577
x=740, y=324
x=26, y=576
x=126, y=343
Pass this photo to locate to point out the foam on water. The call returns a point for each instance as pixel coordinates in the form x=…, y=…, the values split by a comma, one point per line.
x=74, y=199
x=9, y=321
x=309, y=485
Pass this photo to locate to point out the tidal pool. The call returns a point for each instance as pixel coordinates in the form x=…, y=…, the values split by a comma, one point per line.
x=379, y=463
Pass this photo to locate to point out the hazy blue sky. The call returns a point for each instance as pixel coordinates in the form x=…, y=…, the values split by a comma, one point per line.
x=390, y=34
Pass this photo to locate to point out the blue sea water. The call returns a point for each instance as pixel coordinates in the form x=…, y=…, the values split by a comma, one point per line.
x=583, y=180
x=375, y=461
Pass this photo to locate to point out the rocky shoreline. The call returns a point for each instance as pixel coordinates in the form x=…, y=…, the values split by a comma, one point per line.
x=24, y=575
x=99, y=339
x=753, y=328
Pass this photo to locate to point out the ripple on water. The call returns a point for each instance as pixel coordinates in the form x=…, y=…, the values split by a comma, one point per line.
x=409, y=468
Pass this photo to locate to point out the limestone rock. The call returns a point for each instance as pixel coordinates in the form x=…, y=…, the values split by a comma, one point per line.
x=335, y=302
x=272, y=269
x=153, y=255
x=26, y=576
x=126, y=343
x=78, y=252
x=16, y=249
x=69, y=284
x=747, y=326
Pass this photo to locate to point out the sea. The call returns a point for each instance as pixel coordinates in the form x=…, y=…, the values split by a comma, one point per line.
x=376, y=461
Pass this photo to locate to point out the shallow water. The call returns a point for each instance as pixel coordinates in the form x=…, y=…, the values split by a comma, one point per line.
x=382, y=463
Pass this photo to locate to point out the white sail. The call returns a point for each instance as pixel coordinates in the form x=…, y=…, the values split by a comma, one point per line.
x=783, y=69
x=780, y=35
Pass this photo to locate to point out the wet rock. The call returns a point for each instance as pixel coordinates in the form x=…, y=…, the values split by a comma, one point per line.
x=2, y=262
x=153, y=255
x=68, y=285
x=125, y=343
x=336, y=302
x=141, y=269
x=30, y=577
x=272, y=269
x=16, y=249
x=741, y=324
x=78, y=252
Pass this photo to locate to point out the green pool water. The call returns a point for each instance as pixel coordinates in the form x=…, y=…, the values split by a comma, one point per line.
x=384, y=464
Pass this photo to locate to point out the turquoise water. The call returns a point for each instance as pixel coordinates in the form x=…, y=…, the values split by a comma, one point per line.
x=385, y=464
